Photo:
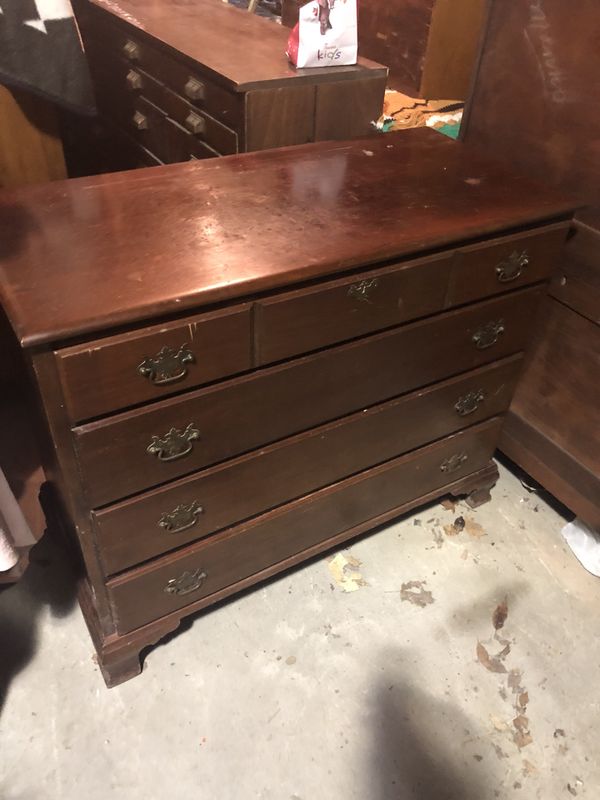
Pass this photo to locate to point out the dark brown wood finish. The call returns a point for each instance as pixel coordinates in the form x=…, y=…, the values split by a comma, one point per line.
x=542, y=61
x=131, y=368
x=288, y=459
x=140, y=596
x=240, y=415
x=130, y=532
x=245, y=224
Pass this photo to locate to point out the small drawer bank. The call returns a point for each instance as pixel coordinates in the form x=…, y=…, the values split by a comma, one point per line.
x=241, y=364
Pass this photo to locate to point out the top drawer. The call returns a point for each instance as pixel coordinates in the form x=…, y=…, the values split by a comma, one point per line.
x=113, y=373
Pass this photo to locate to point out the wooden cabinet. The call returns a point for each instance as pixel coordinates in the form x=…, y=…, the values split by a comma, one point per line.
x=198, y=79
x=233, y=379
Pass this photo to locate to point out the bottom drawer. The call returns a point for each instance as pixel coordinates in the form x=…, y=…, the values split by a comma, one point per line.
x=172, y=582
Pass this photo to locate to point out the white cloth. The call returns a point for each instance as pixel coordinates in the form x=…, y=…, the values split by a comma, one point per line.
x=14, y=530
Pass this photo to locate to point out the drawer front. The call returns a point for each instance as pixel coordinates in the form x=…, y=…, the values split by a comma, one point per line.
x=503, y=264
x=120, y=371
x=198, y=571
x=121, y=82
x=136, y=450
x=188, y=82
x=147, y=526
x=305, y=320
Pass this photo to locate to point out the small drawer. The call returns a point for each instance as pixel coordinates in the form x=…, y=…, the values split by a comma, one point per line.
x=503, y=264
x=188, y=82
x=308, y=319
x=109, y=374
x=203, y=569
x=136, y=450
x=190, y=509
x=184, y=146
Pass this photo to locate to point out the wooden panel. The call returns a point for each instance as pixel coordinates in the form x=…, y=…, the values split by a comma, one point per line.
x=278, y=117
x=344, y=110
x=103, y=376
x=454, y=38
x=542, y=62
x=140, y=596
x=504, y=264
x=246, y=413
x=129, y=533
x=311, y=318
x=30, y=146
x=231, y=227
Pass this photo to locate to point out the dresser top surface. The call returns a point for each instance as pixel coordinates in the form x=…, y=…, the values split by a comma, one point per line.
x=243, y=49
x=90, y=254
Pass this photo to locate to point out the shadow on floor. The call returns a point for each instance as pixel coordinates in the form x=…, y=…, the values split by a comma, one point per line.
x=418, y=750
x=49, y=582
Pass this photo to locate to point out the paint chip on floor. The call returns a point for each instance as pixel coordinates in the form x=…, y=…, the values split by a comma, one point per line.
x=345, y=571
x=414, y=592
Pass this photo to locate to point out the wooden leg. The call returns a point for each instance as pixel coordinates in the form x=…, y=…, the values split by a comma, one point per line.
x=118, y=671
x=478, y=492
x=478, y=497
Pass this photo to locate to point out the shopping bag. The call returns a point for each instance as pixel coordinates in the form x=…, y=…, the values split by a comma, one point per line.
x=326, y=34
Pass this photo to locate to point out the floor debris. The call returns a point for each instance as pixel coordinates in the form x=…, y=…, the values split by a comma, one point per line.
x=500, y=614
x=414, y=592
x=492, y=663
x=345, y=571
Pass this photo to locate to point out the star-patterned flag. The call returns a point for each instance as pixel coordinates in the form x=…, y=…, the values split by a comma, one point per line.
x=40, y=50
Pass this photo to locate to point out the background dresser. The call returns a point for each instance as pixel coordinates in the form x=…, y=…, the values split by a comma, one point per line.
x=199, y=78
x=540, y=66
x=245, y=362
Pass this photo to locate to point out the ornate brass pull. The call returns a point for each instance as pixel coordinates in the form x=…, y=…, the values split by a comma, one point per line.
x=189, y=581
x=488, y=334
x=363, y=290
x=140, y=121
x=195, y=123
x=134, y=80
x=168, y=366
x=454, y=463
x=512, y=267
x=469, y=403
x=194, y=89
x=174, y=444
x=131, y=50
x=181, y=518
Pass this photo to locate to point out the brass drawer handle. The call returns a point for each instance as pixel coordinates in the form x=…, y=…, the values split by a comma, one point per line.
x=194, y=89
x=488, y=334
x=363, y=290
x=131, y=50
x=187, y=582
x=181, y=518
x=512, y=267
x=167, y=366
x=469, y=403
x=134, y=80
x=140, y=121
x=195, y=123
x=174, y=444
x=454, y=463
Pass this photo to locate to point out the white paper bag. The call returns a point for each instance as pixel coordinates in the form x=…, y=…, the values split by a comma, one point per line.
x=326, y=34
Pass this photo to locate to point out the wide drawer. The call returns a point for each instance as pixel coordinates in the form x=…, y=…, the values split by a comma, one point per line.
x=506, y=263
x=101, y=36
x=315, y=317
x=166, y=518
x=135, y=450
x=109, y=374
x=200, y=570
x=308, y=319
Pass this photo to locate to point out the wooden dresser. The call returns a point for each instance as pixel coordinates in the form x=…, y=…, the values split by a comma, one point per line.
x=192, y=79
x=540, y=65
x=245, y=362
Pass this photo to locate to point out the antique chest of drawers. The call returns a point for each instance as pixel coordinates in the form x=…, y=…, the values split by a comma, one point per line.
x=195, y=79
x=245, y=362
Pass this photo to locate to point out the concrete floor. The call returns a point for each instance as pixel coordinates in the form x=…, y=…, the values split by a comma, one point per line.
x=301, y=690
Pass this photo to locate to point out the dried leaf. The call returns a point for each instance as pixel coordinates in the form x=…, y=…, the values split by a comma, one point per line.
x=529, y=768
x=522, y=739
x=415, y=593
x=521, y=723
x=504, y=652
x=524, y=699
x=498, y=723
x=474, y=529
x=500, y=614
x=491, y=664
